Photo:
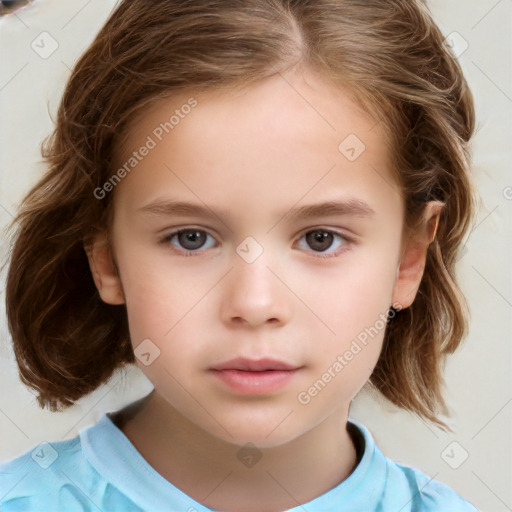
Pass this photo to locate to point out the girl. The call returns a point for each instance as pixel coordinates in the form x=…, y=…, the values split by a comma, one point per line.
x=260, y=203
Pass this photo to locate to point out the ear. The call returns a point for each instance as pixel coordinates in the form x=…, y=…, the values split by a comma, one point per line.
x=414, y=255
x=103, y=269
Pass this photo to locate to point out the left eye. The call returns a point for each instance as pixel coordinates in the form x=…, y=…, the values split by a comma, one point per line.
x=191, y=239
x=320, y=240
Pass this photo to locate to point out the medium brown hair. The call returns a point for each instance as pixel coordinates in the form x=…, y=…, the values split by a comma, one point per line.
x=389, y=54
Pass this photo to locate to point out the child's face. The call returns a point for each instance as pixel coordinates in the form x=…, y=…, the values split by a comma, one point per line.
x=258, y=281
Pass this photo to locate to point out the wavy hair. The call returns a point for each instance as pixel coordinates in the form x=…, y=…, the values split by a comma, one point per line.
x=389, y=54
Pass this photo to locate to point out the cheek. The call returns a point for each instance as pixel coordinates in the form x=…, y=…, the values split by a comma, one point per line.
x=156, y=307
x=353, y=296
x=157, y=294
x=342, y=363
x=353, y=305
x=170, y=309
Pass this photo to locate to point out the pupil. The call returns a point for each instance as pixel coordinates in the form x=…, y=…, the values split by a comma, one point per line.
x=192, y=239
x=319, y=240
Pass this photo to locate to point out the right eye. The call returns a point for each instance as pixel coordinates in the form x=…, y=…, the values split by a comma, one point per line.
x=190, y=240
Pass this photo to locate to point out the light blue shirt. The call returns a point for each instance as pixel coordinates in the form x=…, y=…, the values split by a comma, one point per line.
x=100, y=470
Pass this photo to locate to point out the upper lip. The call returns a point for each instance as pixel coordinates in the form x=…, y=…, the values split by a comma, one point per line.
x=253, y=365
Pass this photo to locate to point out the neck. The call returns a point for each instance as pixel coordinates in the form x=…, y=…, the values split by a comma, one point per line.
x=227, y=477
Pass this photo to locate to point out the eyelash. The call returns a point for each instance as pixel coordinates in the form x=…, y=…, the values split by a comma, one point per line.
x=346, y=245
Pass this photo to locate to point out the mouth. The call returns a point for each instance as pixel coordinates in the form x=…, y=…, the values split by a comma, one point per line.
x=254, y=365
x=251, y=376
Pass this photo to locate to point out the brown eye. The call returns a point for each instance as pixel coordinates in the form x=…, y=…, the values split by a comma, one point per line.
x=324, y=243
x=319, y=240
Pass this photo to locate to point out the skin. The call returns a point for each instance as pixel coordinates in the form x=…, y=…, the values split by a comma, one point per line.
x=251, y=156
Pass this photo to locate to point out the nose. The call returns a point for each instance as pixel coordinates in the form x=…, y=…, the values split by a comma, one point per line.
x=254, y=297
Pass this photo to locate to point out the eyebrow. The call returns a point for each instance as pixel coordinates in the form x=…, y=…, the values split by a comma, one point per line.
x=349, y=207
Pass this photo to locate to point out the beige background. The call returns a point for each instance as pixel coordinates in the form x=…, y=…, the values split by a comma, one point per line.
x=478, y=376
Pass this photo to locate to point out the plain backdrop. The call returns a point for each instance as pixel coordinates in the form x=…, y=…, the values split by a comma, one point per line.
x=476, y=460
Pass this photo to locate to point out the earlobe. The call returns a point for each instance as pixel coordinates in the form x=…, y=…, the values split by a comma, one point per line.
x=414, y=255
x=103, y=270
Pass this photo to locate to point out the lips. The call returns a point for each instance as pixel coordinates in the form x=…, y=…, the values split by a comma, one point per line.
x=254, y=376
x=254, y=365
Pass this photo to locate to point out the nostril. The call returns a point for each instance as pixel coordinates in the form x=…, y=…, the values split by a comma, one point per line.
x=241, y=321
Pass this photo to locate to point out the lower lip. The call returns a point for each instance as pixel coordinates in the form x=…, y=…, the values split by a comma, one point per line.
x=255, y=383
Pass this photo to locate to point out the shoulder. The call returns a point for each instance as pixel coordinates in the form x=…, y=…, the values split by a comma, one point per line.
x=44, y=476
x=61, y=476
x=428, y=494
x=403, y=487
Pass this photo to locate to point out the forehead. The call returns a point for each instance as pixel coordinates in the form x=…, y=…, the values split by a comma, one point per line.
x=285, y=131
x=278, y=102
